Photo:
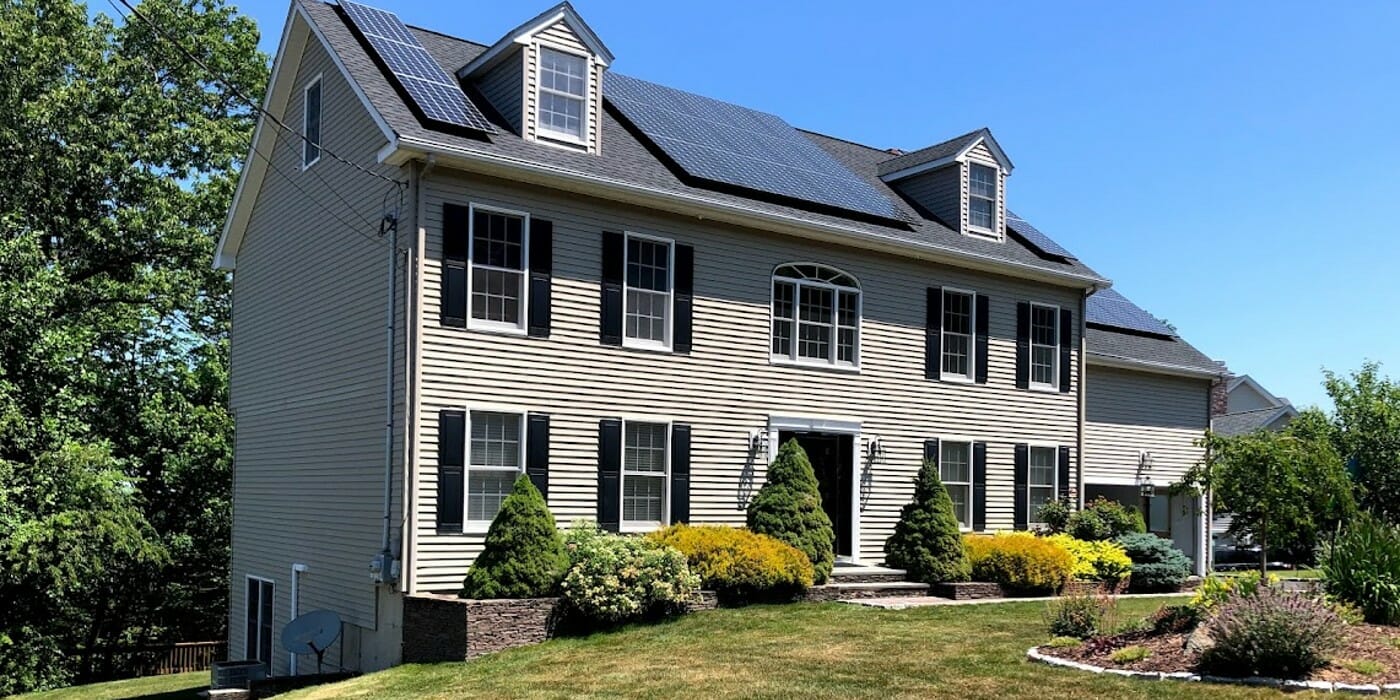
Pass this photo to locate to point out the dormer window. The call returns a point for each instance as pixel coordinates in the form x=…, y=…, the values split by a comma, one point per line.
x=982, y=197
x=563, y=91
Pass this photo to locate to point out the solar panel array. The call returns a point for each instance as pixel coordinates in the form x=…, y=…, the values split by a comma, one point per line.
x=432, y=90
x=1035, y=237
x=1109, y=308
x=724, y=143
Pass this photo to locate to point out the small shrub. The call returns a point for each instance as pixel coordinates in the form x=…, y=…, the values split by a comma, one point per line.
x=789, y=507
x=1055, y=515
x=1064, y=643
x=1174, y=619
x=614, y=578
x=1362, y=567
x=926, y=542
x=1272, y=633
x=1080, y=616
x=1019, y=561
x=1096, y=561
x=739, y=565
x=524, y=554
x=1217, y=589
x=1104, y=519
x=1365, y=667
x=1157, y=565
x=1130, y=654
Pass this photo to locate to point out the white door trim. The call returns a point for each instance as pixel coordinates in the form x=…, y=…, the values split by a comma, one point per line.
x=840, y=425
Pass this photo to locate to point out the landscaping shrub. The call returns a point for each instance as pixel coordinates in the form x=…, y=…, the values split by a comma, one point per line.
x=1157, y=565
x=926, y=542
x=737, y=564
x=1096, y=561
x=1216, y=589
x=614, y=578
x=1080, y=616
x=1272, y=633
x=1104, y=519
x=1362, y=567
x=1055, y=515
x=789, y=507
x=1019, y=561
x=524, y=555
x=1172, y=619
x=1130, y=654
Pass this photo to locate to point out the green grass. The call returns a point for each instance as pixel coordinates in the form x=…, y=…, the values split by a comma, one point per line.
x=788, y=651
x=1365, y=667
x=178, y=686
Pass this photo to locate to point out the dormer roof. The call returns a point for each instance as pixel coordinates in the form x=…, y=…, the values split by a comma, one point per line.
x=940, y=154
x=525, y=33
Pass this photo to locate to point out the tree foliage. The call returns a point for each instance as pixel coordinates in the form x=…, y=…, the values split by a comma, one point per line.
x=1366, y=431
x=789, y=508
x=926, y=541
x=118, y=159
x=524, y=553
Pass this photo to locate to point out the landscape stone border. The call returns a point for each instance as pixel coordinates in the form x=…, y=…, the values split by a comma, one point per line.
x=1034, y=654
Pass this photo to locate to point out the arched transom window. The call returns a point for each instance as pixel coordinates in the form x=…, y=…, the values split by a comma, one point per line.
x=816, y=315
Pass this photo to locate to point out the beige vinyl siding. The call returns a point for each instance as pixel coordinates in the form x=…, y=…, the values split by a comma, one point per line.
x=503, y=88
x=307, y=379
x=559, y=35
x=562, y=35
x=1245, y=398
x=982, y=155
x=727, y=386
x=937, y=191
x=1129, y=411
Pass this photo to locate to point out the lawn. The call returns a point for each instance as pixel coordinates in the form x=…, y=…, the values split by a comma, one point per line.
x=179, y=686
x=802, y=650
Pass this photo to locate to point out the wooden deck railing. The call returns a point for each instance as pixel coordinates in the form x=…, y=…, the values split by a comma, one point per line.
x=188, y=656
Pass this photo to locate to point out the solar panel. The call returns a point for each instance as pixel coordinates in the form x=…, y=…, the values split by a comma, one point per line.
x=724, y=143
x=1034, y=236
x=431, y=89
x=1109, y=308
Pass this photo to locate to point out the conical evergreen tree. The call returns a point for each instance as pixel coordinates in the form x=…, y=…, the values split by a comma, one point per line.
x=789, y=507
x=926, y=542
x=524, y=555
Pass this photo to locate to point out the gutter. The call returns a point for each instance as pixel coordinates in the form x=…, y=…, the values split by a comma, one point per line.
x=1083, y=395
x=406, y=148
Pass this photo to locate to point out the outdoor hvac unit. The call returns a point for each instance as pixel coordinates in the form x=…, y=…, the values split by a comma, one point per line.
x=236, y=674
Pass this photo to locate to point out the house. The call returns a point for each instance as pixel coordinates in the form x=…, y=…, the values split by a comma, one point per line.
x=461, y=262
x=1251, y=407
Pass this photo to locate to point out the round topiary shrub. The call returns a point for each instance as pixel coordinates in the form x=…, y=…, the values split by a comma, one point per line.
x=1020, y=561
x=738, y=565
x=524, y=554
x=789, y=508
x=926, y=542
x=616, y=578
x=1273, y=634
x=1157, y=565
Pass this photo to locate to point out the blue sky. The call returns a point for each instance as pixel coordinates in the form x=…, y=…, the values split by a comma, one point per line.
x=1231, y=166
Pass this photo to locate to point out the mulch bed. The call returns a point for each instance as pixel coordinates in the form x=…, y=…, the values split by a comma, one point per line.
x=1169, y=654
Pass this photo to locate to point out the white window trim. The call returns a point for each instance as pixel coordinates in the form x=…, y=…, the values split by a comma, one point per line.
x=980, y=231
x=481, y=324
x=246, y=605
x=476, y=527
x=320, y=123
x=971, y=473
x=1054, y=384
x=543, y=134
x=795, y=360
x=670, y=244
x=641, y=526
x=1031, y=522
x=971, y=376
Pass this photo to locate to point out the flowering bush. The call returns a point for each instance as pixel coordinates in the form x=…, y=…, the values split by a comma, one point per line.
x=614, y=578
x=737, y=564
x=1215, y=589
x=1096, y=560
x=1020, y=561
x=1271, y=633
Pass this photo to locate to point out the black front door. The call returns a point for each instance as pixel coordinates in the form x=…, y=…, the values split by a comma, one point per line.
x=831, y=455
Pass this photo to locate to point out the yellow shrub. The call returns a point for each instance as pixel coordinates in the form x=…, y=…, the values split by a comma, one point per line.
x=738, y=564
x=1020, y=560
x=1101, y=560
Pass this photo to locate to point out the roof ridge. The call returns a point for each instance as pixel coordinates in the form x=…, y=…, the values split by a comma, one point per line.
x=866, y=146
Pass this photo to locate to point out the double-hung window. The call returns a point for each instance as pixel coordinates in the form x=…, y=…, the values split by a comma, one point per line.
x=311, y=124
x=1045, y=346
x=955, y=469
x=646, y=463
x=495, y=458
x=816, y=316
x=1040, y=481
x=958, y=334
x=563, y=90
x=258, y=614
x=498, y=242
x=647, y=299
x=982, y=197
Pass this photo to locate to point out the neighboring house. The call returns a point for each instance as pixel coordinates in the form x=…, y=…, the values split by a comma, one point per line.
x=1249, y=408
x=632, y=294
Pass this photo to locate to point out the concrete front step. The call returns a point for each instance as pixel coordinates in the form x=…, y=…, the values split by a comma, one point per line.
x=862, y=590
x=847, y=573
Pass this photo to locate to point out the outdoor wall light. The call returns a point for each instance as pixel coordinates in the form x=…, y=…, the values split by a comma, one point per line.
x=874, y=447
x=758, y=442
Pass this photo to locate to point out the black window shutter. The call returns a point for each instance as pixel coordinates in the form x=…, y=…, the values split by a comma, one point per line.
x=610, y=474
x=685, y=298
x=931, y=451
x=933, y=334
x=1066, y=337
x=537, y=452
x=1063, y=485
x=452, y=437
x=610, y=315
x=984, y=323
x=680, y=473
x=1023, y=467
x=455, y=244
x=979, y=486
x=1023, y=345
x=541, y=271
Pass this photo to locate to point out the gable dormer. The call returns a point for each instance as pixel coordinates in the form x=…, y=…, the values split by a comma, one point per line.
x=545, y=78
x=961, y=182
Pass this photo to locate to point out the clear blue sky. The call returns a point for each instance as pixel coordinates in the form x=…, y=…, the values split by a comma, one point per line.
x=1231, y=166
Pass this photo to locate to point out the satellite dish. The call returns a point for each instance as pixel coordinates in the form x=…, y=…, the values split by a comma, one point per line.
x=312, y=633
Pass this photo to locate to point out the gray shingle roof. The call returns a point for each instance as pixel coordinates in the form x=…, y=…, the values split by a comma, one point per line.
x=937, y=151
x=1167, y=353
x=1245, y=422
x=626, y=159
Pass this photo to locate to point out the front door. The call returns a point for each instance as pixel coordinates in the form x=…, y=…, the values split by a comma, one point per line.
x=831, y=455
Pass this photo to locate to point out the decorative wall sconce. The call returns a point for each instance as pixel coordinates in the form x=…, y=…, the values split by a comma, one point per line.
x=1145, y=486
x=874, y=448
x=758, y=442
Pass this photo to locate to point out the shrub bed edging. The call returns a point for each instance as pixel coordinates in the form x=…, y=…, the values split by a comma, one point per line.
x=1034, y=654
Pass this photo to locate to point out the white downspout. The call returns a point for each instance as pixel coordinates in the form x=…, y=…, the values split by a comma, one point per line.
x=295, y=610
